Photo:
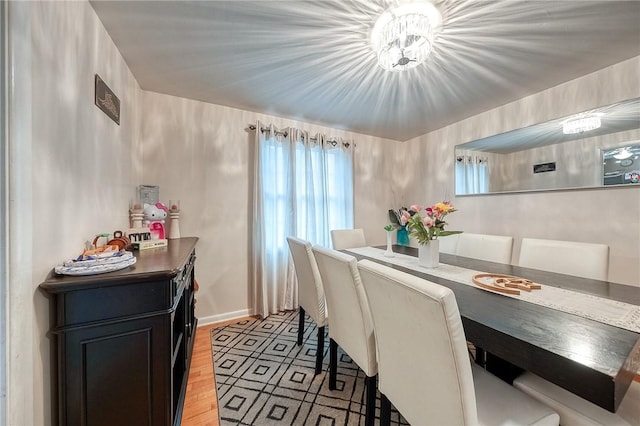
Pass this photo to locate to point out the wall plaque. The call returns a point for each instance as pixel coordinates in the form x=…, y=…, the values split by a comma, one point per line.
x=544, y=167
x=106, y=100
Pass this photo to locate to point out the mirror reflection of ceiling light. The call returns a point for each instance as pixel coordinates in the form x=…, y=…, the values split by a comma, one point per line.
x=403, y=36
x=582, y=123
x=623, y=154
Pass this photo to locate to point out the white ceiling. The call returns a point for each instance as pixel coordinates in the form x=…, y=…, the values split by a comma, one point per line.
x=311, y=61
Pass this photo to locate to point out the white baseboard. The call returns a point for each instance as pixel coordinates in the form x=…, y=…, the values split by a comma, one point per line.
x=223, y=317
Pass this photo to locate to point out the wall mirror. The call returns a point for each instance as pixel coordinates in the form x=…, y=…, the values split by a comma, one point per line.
x=595, y=148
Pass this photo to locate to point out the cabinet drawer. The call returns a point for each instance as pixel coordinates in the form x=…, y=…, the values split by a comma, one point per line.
x=104, y=303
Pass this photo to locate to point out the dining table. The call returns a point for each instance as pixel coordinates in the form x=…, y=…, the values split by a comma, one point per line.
x=594, y=360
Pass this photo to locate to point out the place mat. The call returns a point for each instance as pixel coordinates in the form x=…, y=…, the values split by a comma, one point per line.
x=607, y=311
x=98, y=265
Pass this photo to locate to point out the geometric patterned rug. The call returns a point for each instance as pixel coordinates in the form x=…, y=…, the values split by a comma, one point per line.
x=264, y=378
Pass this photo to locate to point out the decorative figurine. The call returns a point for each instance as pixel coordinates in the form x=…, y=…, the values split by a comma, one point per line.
x=137, y=214
x=154, y=216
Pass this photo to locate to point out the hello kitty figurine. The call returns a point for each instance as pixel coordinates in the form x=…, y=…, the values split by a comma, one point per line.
x=155, y=212
x=154, y=215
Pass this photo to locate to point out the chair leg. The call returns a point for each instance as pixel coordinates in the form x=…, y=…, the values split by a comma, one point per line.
x=320, y=350
x=333, y=363
x=300, y=325
x=385, y=410
x=370, y=413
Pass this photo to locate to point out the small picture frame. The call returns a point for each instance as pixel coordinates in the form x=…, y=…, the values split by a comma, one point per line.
x=149, y=194
x=106, y=100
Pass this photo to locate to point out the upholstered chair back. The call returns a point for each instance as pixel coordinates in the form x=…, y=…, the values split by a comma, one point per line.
x=423, y=365
x=492, y=248
x=347, y=238
x=449, y=243
x=350, y=324
x=586, y=260
x=310, y=290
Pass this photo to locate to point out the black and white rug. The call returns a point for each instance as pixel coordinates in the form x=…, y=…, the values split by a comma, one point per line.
x=264, y=378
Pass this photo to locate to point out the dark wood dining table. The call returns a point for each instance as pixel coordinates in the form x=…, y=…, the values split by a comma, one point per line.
x=593, y=360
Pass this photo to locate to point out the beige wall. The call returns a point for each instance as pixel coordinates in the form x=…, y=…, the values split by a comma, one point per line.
x=72, y=172
x=609, y=216
x=202, y=155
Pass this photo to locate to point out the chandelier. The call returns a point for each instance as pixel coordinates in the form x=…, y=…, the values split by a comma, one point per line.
x=403, y=36
x=581, y=123
x=623, y=154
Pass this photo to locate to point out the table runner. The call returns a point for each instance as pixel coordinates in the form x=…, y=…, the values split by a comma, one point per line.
x=606, y=311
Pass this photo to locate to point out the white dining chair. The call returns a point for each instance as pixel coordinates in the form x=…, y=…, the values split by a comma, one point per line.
x=576, y=411
x=449, y=243
x=572, y=258
x=350, y=324
x=311, y=296
x=586, y=260
x=347, y=238
x=491, y=248
x=423, y=366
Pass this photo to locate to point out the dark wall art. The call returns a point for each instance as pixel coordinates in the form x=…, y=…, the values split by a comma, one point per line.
x=106, y=100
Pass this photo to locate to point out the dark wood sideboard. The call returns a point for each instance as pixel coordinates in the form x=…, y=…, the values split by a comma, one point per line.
x=123, y=340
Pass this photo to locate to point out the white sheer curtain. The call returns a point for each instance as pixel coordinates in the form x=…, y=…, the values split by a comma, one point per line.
x=472, y=174
x=303, y=186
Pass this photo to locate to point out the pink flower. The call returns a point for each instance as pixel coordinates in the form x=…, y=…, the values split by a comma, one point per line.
x=416, y=208
x=404, y=218
x=428, y=222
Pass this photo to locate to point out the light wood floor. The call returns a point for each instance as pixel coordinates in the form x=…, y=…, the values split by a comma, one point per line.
x=201, y=402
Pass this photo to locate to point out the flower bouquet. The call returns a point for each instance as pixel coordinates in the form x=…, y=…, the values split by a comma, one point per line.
x=399, y=220
x=428, y=228
x=431, y=225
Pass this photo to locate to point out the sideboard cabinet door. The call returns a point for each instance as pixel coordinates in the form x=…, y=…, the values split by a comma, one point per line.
x=116, y=372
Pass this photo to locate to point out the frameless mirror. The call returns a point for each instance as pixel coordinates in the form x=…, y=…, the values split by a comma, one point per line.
x=583, y=150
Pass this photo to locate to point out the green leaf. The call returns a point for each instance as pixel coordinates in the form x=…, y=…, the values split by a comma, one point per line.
x=445, y=233
x=393, y=217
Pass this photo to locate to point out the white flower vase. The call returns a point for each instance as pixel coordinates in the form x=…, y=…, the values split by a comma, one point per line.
x=429, y=254
x=389, y=252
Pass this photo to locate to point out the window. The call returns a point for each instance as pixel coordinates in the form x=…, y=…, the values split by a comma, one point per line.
x=303, y=188
x=471, y=174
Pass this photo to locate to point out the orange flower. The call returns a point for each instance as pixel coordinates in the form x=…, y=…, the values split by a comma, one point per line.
x=444, y=207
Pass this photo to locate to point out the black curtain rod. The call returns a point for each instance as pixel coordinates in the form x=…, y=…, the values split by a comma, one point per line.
x=333, y=142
